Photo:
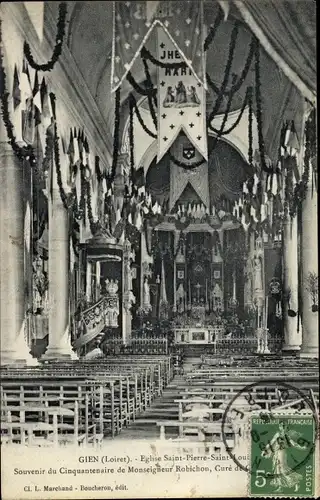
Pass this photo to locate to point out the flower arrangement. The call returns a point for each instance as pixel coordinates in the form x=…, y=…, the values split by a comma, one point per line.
x=312, y=287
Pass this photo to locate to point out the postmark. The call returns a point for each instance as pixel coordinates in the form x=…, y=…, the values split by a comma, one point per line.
x=267, y=401
x=282, y=455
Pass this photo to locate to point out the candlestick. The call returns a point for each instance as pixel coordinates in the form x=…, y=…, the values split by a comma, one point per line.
x=206, y=291
x=189, y=292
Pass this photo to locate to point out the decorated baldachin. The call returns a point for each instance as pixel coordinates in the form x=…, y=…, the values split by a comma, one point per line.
x=222, y=93
x=264, y=201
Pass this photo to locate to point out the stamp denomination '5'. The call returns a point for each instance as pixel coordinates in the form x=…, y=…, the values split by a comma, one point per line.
x=282, y=456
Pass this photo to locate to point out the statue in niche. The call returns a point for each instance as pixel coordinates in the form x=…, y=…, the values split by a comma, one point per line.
x=180, y=298
x=40, y=288
x=112, y=303
x=146, y=294
x=257, y=275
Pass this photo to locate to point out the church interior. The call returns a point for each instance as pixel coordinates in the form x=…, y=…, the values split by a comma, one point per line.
x=159, y=240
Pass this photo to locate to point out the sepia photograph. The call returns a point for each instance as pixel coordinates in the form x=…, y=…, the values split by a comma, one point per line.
x=159, y=249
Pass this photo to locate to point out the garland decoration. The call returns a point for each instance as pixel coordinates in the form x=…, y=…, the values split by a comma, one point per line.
x=61, y=25
x=138, y=114
x=145, y=54
x=151, y=97
x=94, y=225
x=221, y=131
x=75, y=242
x=233, y=40
x=24, y=152
x=67, y=199
x=186, y=166
x=116, y=135
x=238, y=84
x=250, y=127
x=259, y=110
x=49, y=143
x=140, y=90
x=212, y=33
x=131, y=139
x=301, y=188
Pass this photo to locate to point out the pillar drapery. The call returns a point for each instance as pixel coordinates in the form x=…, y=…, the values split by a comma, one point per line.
x=309, y=263
x=14, y=348
x=292, y=334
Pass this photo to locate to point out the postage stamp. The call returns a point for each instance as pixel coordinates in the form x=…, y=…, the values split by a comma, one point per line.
x=283, y=455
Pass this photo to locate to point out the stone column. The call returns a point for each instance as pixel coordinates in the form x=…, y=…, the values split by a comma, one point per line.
x=14, y=349
x=59, y=347
x=292, y=338
x=309, y=263
x=127, y=294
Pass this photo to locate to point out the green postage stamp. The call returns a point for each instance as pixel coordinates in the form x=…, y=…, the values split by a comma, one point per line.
x=283, y=456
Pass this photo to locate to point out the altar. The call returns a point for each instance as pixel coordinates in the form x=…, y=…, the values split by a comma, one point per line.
x=197, y=335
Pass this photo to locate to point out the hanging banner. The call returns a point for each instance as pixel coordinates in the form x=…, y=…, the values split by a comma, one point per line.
x=133, y=22
x=181, y=103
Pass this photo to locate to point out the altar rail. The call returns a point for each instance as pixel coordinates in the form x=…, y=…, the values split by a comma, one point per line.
x=246, y=345
x=136, y=345
x=234, y=345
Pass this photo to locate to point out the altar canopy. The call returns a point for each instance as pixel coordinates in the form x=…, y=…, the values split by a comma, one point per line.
x=134, y=22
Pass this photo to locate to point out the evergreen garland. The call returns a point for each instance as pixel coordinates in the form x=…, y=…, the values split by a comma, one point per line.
x=145, y=54
x=138, y=114
x=186, y=166
x=116, y=135
x=301, y=188
x=67, y=199
x=24, y=152
x=238, y=84
x=61, y=25
x=49, y=143
x=140, y=90
x=233, y=40
x=212, y=33
x=94, y=225
x=250, y=129
x=259, y=110
x=150, y=96
x=131, y=140
x=224, y=121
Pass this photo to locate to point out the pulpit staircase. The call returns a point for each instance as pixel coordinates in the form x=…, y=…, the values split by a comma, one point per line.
x=91, y=324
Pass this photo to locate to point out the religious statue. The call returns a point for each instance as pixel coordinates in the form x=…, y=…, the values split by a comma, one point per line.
x=112, y=303
x=257, y=276
x=40, y=288
x=217, y=298
x=180, y=298
x=146, y=294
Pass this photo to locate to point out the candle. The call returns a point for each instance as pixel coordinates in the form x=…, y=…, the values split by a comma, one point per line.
x=266, y=312
x=206, y=292
x=189, y=291
x=234, y=294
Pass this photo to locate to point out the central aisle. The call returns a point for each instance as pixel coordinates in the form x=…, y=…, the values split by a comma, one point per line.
x=163, y=408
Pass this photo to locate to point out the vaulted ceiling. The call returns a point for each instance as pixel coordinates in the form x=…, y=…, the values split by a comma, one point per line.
x=89, y=38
